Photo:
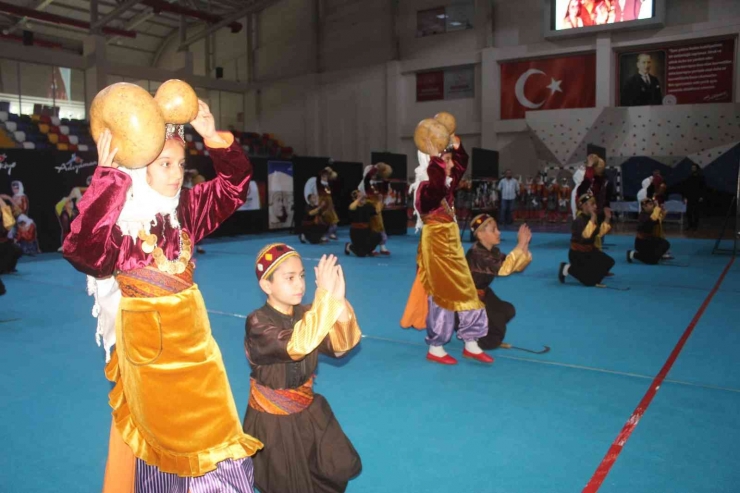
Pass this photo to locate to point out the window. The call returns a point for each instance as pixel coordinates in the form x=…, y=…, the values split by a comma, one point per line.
x=29, y=88
x=456, y=17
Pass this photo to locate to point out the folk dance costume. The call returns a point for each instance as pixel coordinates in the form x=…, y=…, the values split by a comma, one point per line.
x=520, y=213
x=363, y=239
x=564, y=200
x=602, y=190
x=485, y=265
x=306, y=450
x=173, y=409
x=588, y=264
x=443, y=286
x=375, y=198
x=313, y=227
x=321, y=187
x=9, y=251
x=650, y=247
x=551, y=198
x=540, y=197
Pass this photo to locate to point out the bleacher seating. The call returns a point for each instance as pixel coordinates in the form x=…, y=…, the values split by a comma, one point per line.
x=43, y=130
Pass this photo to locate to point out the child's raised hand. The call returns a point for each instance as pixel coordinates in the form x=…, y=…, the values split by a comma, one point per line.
x=105, y=156
x=204, y=122
x=326, y=276
x=340, y=286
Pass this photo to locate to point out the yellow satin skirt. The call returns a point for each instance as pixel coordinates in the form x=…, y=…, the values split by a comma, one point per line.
x=329, y=215
x=443, y=270
x=376, y=222
x=172, y=402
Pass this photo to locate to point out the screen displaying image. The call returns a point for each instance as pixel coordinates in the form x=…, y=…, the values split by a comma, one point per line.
x=570, y=14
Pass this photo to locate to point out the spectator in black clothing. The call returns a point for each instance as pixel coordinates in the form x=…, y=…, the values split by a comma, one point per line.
x=693, y=190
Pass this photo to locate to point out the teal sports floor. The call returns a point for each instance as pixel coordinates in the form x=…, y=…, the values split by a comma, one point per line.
x=528, y=423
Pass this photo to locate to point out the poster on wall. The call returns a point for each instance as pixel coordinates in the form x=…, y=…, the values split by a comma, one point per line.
x=573, y=14
x=454, y=83
x=280, y=190
x=43, y=189
x=459, y=83
x=685, y=74
x=430, y=86
x=548, y=84
x=255, y=197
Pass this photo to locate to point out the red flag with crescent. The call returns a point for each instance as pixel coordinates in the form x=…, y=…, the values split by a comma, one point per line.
x=548, y=84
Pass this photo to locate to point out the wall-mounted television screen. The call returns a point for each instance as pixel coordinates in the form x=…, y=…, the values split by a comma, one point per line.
x=571, y=17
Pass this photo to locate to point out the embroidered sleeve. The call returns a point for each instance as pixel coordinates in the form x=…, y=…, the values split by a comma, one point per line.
x=516, y=261
x=93, y=242
x=343, y=336
x=588, y=231
x=207, y=205
x=315, y=325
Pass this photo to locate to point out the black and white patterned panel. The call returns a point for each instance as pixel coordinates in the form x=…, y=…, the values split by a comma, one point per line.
x=666, y=134
x=562, y=131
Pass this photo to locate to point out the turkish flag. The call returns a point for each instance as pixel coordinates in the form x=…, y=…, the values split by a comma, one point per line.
x=548, y=84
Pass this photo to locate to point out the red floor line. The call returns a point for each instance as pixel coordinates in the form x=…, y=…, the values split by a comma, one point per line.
x=616, y=448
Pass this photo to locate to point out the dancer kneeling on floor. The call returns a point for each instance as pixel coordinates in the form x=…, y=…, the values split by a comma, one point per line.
x=313, y=228
x=306, y=450
x=588, y=264
x=487, y=262
x=364, y=239
x=649, y=246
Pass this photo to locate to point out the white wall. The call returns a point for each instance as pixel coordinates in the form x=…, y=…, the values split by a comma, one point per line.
x=351, y=89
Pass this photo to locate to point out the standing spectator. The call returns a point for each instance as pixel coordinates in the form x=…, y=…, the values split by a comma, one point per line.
x=509, y=189
x=693, y=190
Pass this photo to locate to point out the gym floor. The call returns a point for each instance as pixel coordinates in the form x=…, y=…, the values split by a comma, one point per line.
x=551, y=422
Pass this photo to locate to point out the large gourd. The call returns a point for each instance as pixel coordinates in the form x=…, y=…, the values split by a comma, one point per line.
x=135, y=121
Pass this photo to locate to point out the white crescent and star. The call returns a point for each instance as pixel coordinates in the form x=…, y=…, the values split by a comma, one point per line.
x=519, y=88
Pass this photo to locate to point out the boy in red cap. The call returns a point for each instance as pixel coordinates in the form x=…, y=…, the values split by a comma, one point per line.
x=487, y=262
x=306, y=450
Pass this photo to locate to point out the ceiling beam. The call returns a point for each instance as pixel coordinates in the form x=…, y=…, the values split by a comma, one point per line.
x=58, y=19
x=41, y=6
x=254, y=6
x=74, y=8
x=113, y=14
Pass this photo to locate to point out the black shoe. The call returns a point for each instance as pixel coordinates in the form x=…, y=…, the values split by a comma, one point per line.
x=200, y=250
x=302, y=239
x=2, y=288
x=346, y=248
x=561, y=275
x=629, y=259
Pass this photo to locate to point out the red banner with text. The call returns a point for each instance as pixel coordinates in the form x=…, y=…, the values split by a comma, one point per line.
x=548, y=84
x=677, y=74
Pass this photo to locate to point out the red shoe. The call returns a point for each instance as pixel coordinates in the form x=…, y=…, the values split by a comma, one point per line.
x=385, y=252
x=482, y=357
x=444, y=360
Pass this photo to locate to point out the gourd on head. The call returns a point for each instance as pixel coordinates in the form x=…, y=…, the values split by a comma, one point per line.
x=137, y=120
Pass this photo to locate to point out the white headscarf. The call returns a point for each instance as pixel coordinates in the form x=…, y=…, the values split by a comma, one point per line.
x=21, y=190
x=361, y=186
x=420, y=174
x=139, y=213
